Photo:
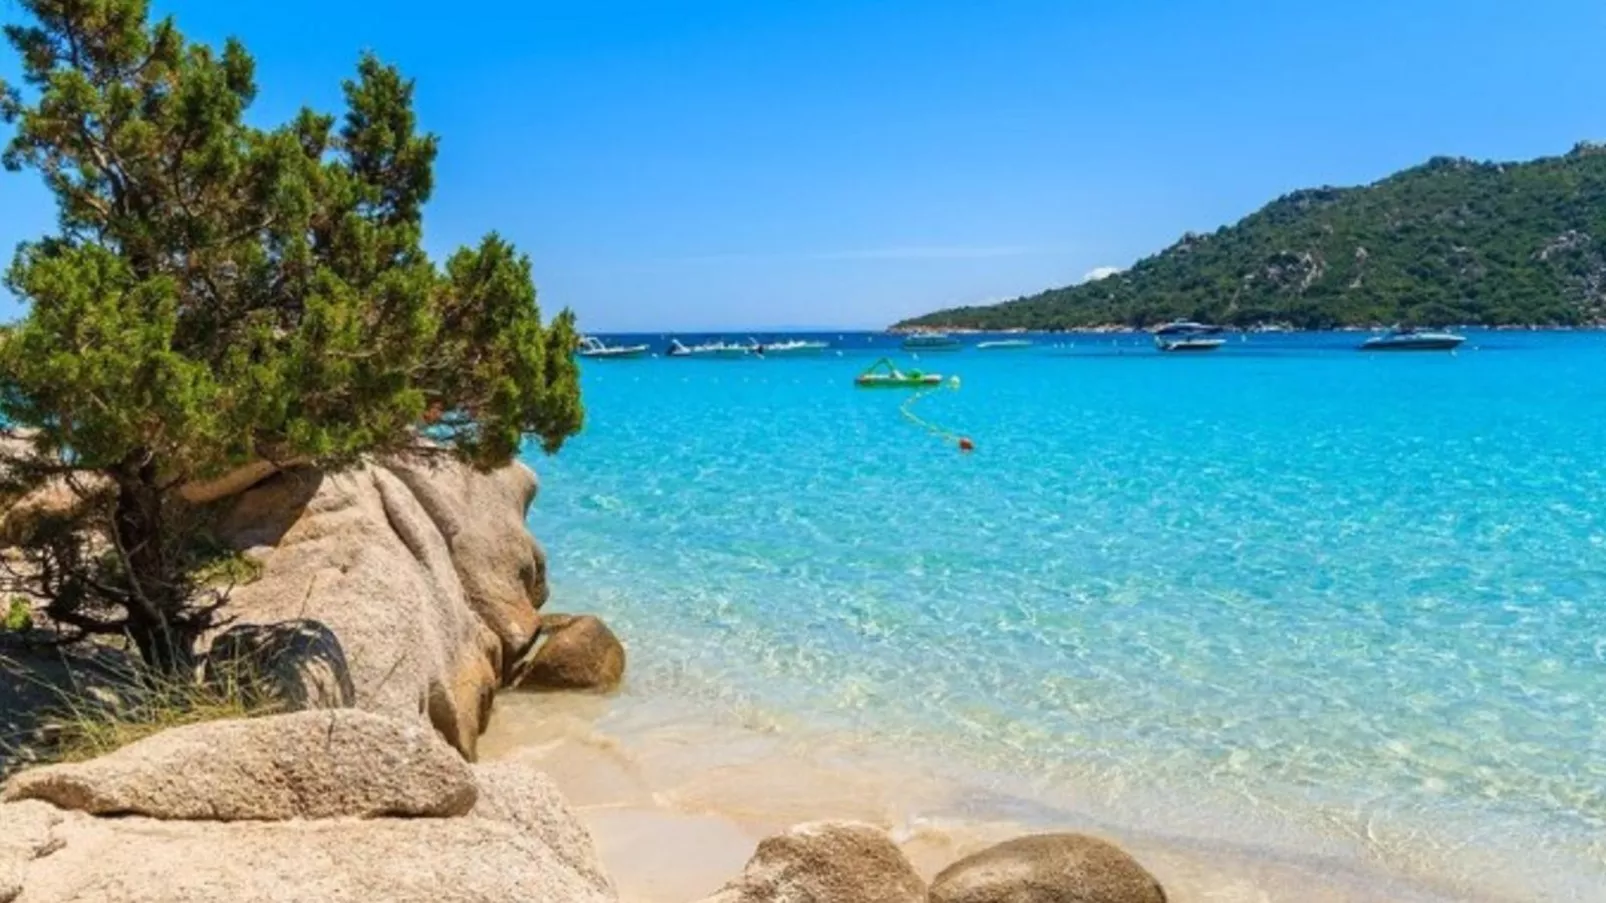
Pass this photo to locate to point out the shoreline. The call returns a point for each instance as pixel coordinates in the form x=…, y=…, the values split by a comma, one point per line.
x=677, y=799
x=1121, y=329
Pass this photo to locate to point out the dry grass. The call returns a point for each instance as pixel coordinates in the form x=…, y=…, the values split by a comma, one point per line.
x=85, y=722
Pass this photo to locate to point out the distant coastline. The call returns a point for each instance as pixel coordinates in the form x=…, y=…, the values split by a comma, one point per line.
x=1452, y=241
x=1121, y=329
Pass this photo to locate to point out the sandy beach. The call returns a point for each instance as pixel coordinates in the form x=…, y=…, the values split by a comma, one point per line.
x=677, y=804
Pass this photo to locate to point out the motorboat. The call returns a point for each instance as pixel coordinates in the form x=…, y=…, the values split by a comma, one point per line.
x=793, y=348
x=883, y=374
x=1186, y=335
x=595, y=348
x=931, y=341
x=1004, y=345
x=1410, y=339
x=708, y=349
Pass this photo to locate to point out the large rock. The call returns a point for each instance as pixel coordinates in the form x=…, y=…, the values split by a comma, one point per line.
x=578, y=652
x=433, y=860
x=368, y=556
x=529, y=800
x=1048, y=868
x=26, y=833
x=826, y=862
x=520, y=842
x=304, y=765
x=501, y=567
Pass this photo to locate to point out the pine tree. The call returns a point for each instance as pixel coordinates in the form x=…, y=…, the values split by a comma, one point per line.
x=220, y=294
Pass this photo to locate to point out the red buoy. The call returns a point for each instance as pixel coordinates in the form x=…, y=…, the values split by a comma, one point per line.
x=966, y=445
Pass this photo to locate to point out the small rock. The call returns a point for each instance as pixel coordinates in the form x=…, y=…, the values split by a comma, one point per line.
x=1048, y=868
x=315, y=764
x=826, y=862
x=580, y=653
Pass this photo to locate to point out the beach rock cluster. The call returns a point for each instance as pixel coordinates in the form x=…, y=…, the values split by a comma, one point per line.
x=331, y=805
x=409, y=587
x=386, y=606
x=849, y=862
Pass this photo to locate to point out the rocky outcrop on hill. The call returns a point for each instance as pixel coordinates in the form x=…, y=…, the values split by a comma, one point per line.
x=478, y=834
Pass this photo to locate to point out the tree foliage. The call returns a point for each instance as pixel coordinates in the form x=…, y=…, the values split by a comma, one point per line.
x=219, y=293
x=1451, y=241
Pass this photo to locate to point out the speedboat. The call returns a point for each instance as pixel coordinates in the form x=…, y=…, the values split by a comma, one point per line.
x=931, y=341
x=596, y=348
x=794, y=348
x=1186, y=335
x=884, y=375
x=1004, y=345
x=708, y=349
x=1409, y=339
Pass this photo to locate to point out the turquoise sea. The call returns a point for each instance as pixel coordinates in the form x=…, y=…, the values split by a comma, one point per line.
x=1281, y=591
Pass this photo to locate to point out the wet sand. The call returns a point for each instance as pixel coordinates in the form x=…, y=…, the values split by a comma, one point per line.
x=677, y=804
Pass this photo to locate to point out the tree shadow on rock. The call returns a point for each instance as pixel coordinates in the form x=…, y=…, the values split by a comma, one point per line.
x=298, y=663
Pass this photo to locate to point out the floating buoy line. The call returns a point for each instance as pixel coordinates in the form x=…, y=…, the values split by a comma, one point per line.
x=907, y=409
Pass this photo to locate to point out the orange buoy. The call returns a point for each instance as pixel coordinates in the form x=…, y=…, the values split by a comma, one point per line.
x=966, y=445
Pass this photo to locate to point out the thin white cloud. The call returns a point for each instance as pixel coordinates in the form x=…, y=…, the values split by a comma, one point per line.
x=1098, y=273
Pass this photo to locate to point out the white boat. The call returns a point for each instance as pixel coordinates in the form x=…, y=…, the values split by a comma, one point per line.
x=596, y=348
x=708, y=349
x=931, y=341
x=1408, y=339
x=1186, y=335
x=793, y=348
x=1004, y=345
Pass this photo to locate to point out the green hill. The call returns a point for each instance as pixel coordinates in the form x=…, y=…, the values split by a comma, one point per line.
x=1451, y=241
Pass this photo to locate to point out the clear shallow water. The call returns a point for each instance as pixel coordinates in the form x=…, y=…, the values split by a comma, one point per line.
x=1287, y=584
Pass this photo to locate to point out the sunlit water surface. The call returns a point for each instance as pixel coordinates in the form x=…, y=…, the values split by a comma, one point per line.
x=1278, y=591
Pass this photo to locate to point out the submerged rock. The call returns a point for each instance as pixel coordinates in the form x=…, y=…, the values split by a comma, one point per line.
x=581, y=653
x=1048, y=868
x=304, y=765
x=826, y=862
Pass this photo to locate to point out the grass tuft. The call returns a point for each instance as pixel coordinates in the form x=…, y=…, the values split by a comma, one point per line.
x=18, y=616
x=88, y=722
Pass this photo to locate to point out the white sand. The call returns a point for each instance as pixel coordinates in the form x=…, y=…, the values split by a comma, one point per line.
x=677, y=806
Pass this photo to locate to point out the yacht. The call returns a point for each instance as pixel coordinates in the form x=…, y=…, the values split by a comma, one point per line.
x=1410, y=339
x=708, y=349
x=1004, y=345
x=595, y=348
x=930, y=341
x=793, y=348
x=1186, y=335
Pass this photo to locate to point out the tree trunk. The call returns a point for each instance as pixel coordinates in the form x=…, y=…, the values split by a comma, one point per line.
x=156, y=622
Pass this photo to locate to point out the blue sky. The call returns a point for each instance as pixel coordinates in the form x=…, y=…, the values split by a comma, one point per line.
x=746, y=164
